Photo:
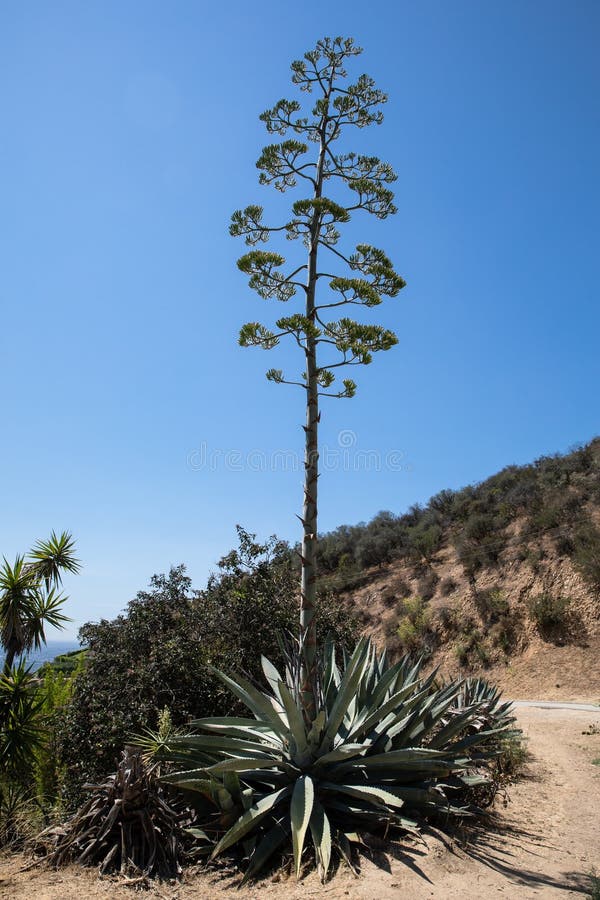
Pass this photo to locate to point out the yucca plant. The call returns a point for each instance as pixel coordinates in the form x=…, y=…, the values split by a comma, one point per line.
x=385, y=748
x=30, y=597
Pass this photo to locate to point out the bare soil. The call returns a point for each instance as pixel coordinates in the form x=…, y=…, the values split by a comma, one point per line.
x=543, y=843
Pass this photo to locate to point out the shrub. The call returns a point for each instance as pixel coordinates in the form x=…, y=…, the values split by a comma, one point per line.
x=55, y=689
x=471, y=647
x=461, y=651
x=548, y=611
x=448, y=617
x=424, y=540
x=448, y=586
x=414, y=624
x=513, y=755
x=491, y=604
x=533, y=556
x=480, y=553
x=502, y=634
x=586, y=555
x=565, y=545
x=427, y=585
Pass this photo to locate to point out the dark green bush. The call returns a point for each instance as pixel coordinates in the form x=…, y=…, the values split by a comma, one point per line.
x=548, y=611
x=424, y=540
x=586, y=553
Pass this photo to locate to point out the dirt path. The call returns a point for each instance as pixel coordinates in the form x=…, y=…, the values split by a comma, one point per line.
x=544, y=843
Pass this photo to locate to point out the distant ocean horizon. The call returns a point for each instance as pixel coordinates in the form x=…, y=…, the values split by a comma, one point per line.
x=47, y=653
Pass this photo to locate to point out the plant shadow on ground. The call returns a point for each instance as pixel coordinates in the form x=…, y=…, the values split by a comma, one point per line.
x=575, y=635
x=378, y=851
x=500, y=846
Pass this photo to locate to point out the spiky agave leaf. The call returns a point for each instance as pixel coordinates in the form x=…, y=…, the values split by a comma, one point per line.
x=387, y=746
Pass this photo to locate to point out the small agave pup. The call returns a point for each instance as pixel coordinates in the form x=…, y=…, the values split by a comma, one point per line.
x=386, y=748
x=360, y=278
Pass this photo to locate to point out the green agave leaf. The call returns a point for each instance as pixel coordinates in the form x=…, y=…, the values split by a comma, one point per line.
x=396, y=759
x=346, y=691
x=331, y=675
x=417, y=796
x=198, y=834
x=231, y=782
x=452, y=728
x=365, y=812
x=265, y=848
x=371, y=793
x=219, y=722
x=423, y=720
x=225, y=800
x=242, y=728
x=201, y=785
x=391, y=733
x=300, y=812
x=295, y=719
x=221, y=742
x=316, y=731
x=321, y=834
x=388, y=684
x=242, y=765
x=343, y=752
x=474, y=780
x=256, y=701
x=343, y=844
x=251, y=818
x=195, y=774
x=414, y=713
x=272, y=675
x=480, y=737
x=380, y=712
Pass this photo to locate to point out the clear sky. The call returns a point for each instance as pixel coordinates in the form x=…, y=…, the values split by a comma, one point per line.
x=129, y=134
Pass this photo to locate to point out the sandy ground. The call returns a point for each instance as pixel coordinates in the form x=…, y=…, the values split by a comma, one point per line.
x=543, y=844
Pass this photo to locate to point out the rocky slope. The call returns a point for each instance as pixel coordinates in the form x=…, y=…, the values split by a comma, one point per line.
x=519, y=603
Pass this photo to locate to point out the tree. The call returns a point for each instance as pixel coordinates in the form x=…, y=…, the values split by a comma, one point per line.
x=327, y=344
x=30, y=597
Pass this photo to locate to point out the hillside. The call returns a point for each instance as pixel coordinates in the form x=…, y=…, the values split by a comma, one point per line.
x=502, y=577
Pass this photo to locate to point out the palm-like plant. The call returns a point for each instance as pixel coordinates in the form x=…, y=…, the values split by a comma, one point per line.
x=20, y=735
x=30, y=599
x=49, y=559
x=385, y=747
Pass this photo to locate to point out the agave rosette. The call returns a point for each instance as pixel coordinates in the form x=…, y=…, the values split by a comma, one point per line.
x=385, y=748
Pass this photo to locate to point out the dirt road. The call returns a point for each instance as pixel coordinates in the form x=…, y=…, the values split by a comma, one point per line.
x=544, y=844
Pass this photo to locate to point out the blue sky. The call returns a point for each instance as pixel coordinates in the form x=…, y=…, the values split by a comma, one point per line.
x=130, y=133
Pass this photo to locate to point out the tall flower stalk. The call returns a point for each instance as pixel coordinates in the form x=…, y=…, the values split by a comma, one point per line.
x=327, y=278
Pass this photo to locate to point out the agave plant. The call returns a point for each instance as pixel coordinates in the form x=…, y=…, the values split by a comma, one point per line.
x=494, y=715
x=385, y=748
x=128, y=825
